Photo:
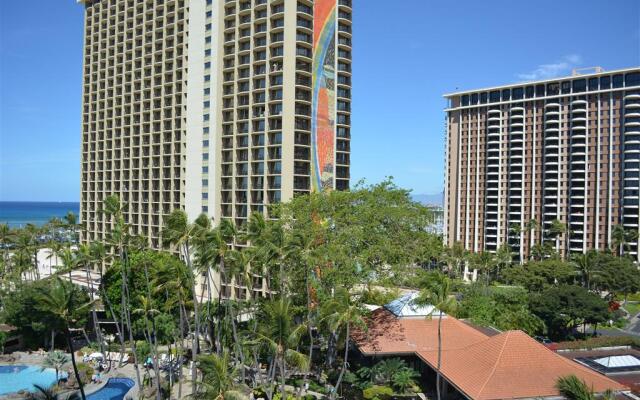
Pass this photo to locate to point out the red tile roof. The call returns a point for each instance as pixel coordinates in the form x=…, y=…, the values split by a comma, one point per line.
x=388, y=334
x=510, y=365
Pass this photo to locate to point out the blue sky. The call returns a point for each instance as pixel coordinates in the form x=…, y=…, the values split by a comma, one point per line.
x=407, y=53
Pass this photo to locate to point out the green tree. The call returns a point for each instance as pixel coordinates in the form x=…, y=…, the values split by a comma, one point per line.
x=621, y=237
x=55, y=360
x=42, y=393
x=59, y=301
x=219, y=377
x=564, y=307
x=586, y=266
x=340, y=312
x=538, y=275
x=557, y=229
x=484, y=262
x=437, y=292
x=455, y=257
x=573, y=388
x=279, y=336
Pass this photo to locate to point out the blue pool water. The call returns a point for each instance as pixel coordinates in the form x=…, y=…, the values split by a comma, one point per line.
x=14, y=378
x=115, y=389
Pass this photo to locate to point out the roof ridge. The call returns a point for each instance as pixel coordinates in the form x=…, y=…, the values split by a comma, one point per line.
x=495, y=365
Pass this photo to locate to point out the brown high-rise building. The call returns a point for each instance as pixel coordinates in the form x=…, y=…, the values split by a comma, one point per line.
x=552, y=161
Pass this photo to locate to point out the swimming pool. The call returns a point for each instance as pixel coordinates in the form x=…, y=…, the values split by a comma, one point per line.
x=14, y=378
x=115, y=389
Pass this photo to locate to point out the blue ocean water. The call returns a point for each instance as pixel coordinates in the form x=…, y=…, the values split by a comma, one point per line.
x=20, y=213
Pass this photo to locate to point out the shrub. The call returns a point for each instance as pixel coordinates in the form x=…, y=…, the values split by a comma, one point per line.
x=85, y=371
x=600, y=341
x=377, y=393
x=379, y=297
x=143, y=349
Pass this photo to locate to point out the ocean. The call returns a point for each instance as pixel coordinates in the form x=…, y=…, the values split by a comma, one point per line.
x=19, y=213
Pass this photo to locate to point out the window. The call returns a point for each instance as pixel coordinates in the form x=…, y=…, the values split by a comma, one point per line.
x=617, y=81
x=205, y=130
x=205, y=196
x=605, y=82
x=465, y=100
x=206, y=117
x=209, y=14
x=518, y=93
x=208, y=27
x=205, y=143
x=207, y=78
x=205, y=156
x=483, y=97
x=593, y=83
x=529, y=92
x=207, y=91
x=206, y=104
x=205, y=182
x=506, y=94
x=207, y=52
x=205, y=169
x=205, y=209
x=494, y=96
x=207, y=39
x=474, y=98
x=540, y=90
x=207, y=65
x=632, y=79
x=579, y=85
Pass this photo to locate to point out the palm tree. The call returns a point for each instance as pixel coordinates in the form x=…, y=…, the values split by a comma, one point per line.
x=573, y=388
x=55, y=359
x=178, y=232
x=621, y=237
x=484, y=262
x=455, y=256
x=532, y=226
x=585, y=265
x=149, y=314
x=278, y=334
x=175, y=278
x=219, y=378
x=59, y=300
x=55, y=248
x=121, y=242
x=212, y=249
x=6, y=239
x=503, y=258
x=43, y=393
x=516, y=230
x=343, y=315
x=556, y=229
x=85, y=259
x=438, y=294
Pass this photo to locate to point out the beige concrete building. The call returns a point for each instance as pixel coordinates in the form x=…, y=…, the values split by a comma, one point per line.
x=566, y=149
x=215, y=106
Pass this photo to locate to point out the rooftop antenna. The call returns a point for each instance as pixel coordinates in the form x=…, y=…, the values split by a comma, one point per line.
x=580, y=71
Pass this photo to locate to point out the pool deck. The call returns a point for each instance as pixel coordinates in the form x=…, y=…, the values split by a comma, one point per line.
x=36, y=358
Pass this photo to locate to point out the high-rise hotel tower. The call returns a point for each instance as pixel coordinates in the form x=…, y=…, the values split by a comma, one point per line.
x=525, y=162
x=214, y=106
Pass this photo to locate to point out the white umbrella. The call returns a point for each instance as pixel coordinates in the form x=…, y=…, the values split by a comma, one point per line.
x=96, y=355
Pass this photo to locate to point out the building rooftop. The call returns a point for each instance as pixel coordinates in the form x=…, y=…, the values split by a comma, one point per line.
x=509, y=365
x=406, y=306
x=524, y=83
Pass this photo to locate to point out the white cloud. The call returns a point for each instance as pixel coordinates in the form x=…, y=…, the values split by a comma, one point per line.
x=546, y=71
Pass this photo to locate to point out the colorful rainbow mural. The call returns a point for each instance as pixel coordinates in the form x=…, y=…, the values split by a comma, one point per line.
x=323, y=101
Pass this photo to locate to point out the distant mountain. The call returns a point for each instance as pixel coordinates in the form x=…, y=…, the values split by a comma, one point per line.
x=429, y=199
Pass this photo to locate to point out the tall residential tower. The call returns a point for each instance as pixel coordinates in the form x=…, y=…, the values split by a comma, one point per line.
x=214, y=106
x=554, y=161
